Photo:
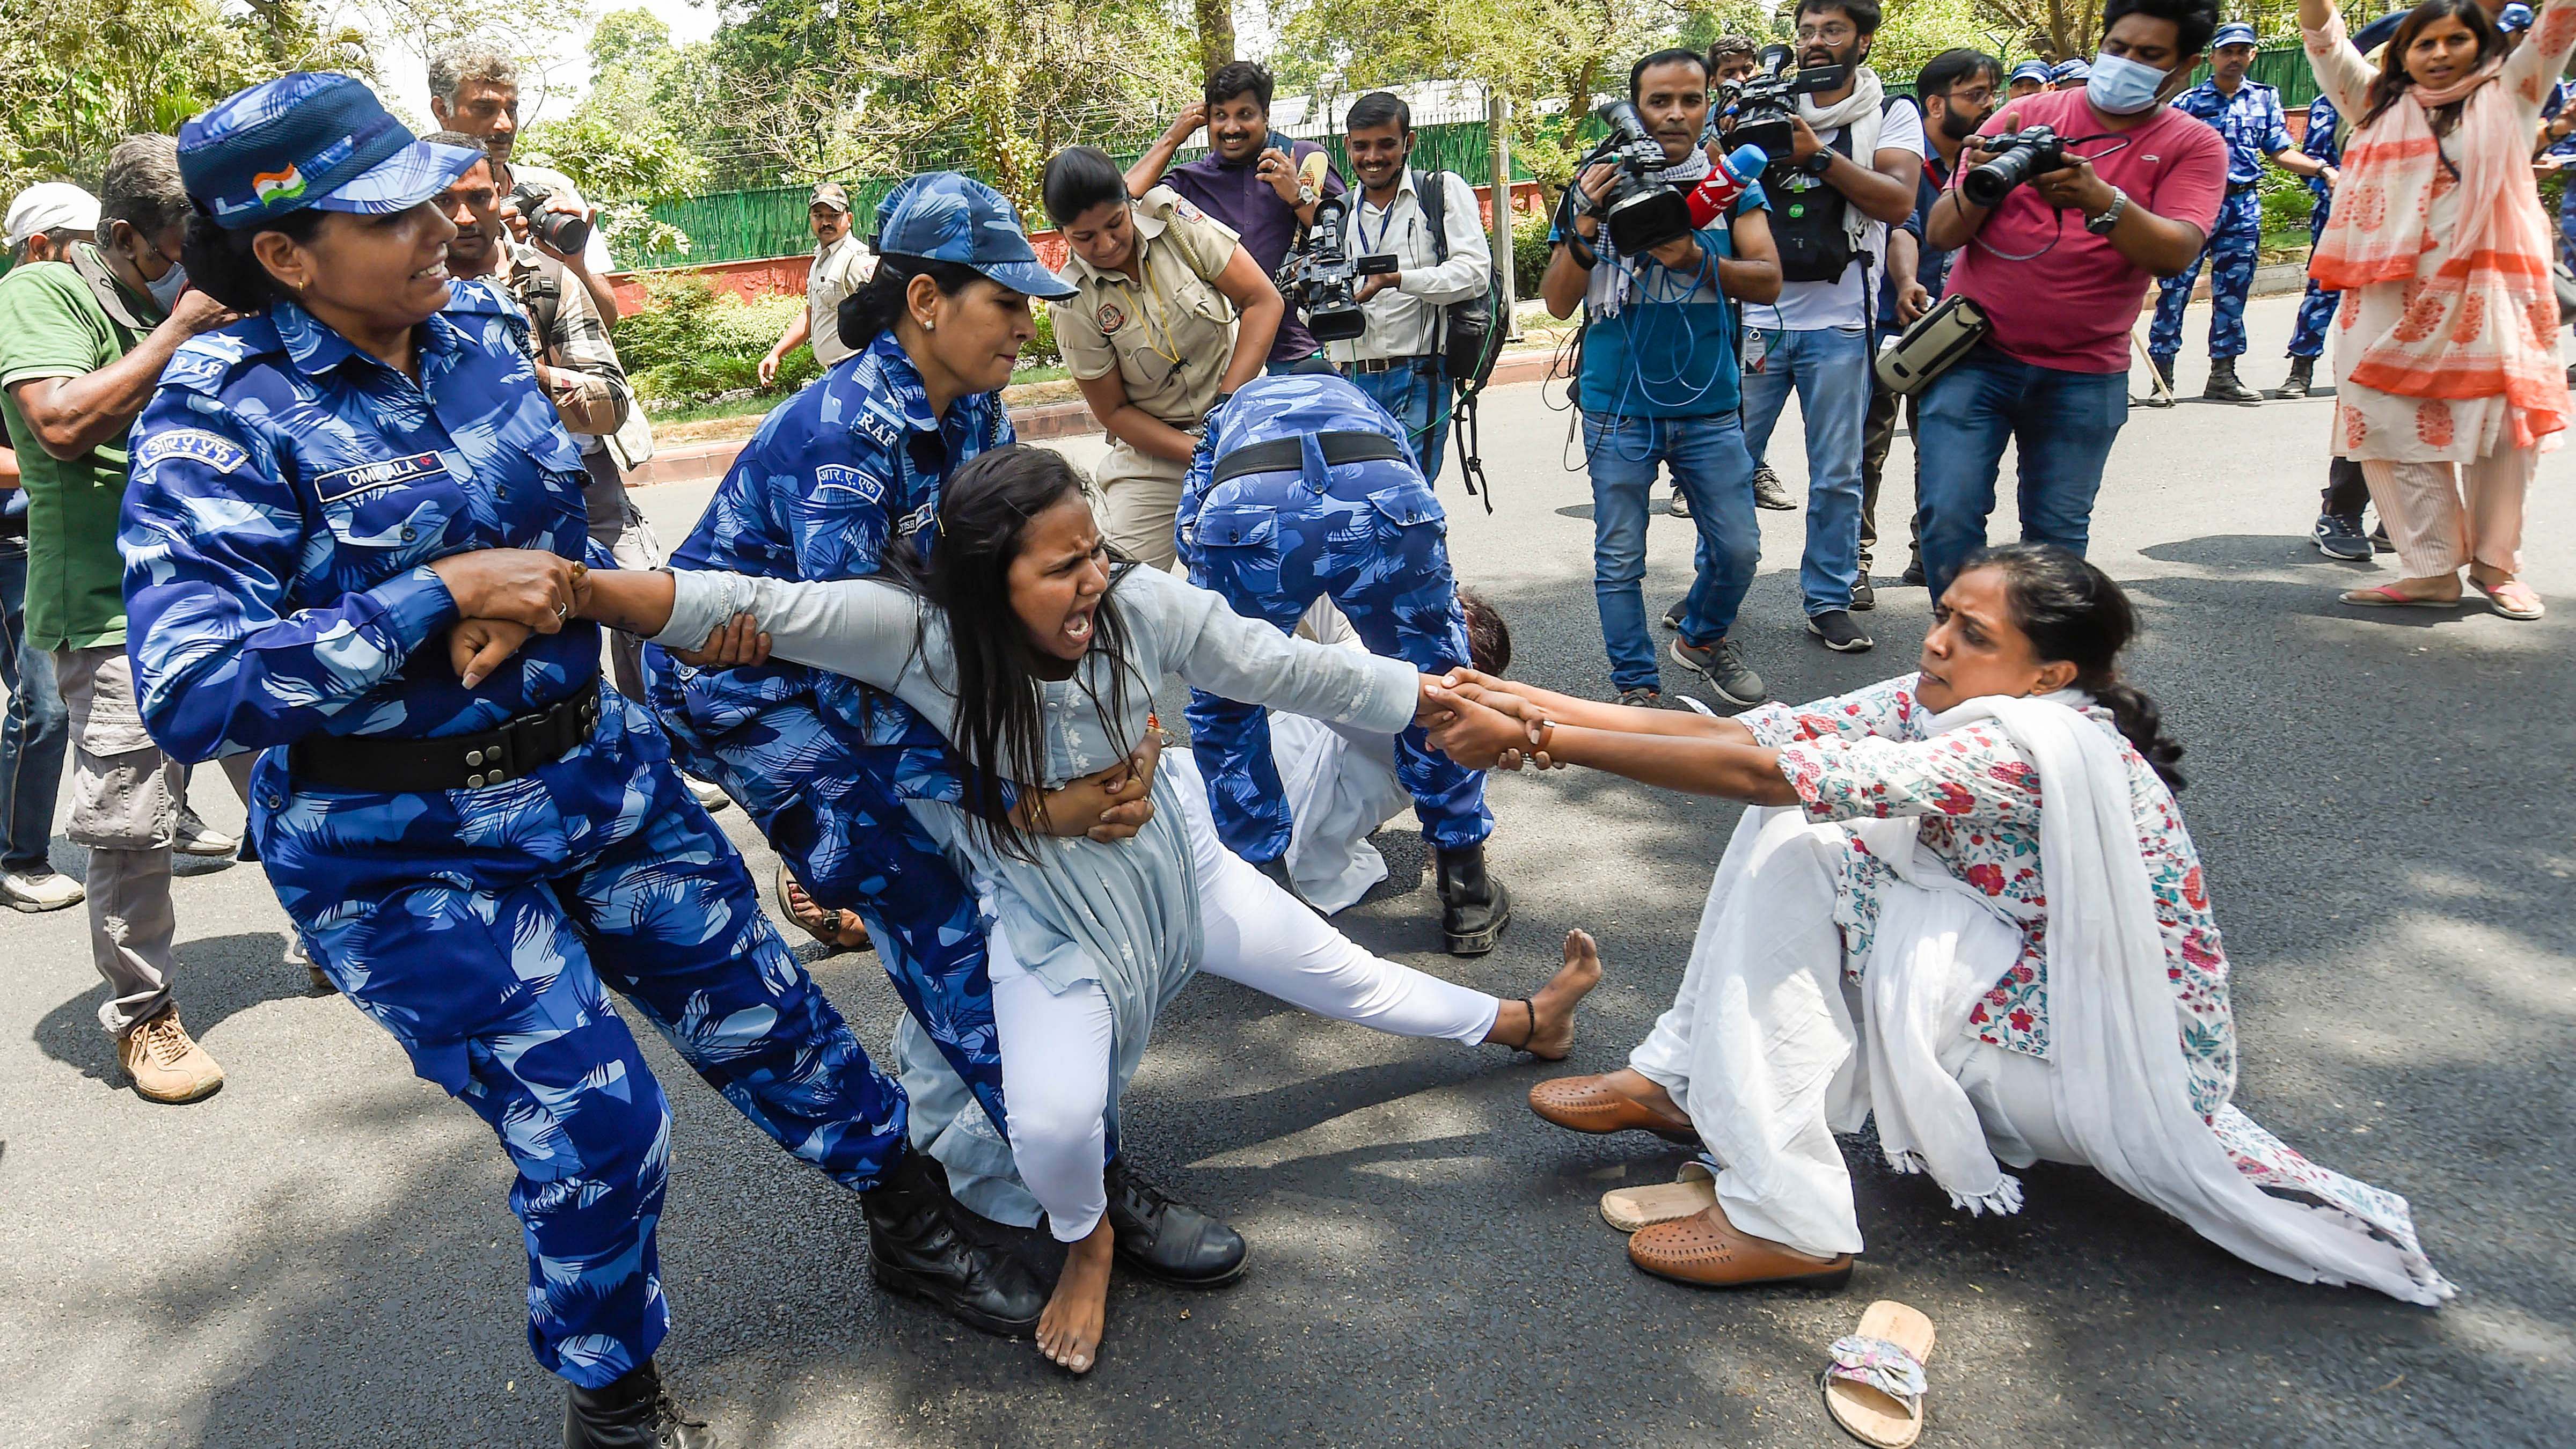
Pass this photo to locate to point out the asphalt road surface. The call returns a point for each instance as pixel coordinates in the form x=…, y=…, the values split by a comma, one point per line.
x=321, y=1254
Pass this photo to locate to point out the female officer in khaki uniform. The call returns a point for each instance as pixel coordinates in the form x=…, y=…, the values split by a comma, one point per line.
x=1170, y=315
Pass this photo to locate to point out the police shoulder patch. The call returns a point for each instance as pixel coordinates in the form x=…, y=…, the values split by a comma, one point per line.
x=212, y=449
x=341, y=483
x=842, y=478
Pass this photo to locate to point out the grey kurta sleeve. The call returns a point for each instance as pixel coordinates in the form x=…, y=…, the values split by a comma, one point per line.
x=1218, y=650
x=864, y=628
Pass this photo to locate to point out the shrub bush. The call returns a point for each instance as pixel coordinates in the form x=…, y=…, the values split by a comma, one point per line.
x=1529, y=253
x=692, y=343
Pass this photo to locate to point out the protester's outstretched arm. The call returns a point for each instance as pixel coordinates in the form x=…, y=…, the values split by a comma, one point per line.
x=1481, y=737
x=1592, y=713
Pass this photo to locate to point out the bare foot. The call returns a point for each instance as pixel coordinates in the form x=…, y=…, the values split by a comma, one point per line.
x=1069, y=1329
x=1549, y=1026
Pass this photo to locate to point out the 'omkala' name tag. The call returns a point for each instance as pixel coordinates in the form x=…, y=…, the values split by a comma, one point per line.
x=342, y=483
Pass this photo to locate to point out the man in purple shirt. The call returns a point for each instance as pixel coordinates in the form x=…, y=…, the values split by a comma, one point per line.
x=1244, y=182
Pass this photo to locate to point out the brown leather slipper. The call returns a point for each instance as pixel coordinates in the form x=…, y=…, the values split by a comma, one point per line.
x=1591, y=1104
x=1706, y=1251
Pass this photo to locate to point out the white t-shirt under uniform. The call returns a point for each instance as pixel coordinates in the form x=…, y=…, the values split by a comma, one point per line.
x=1815, y=306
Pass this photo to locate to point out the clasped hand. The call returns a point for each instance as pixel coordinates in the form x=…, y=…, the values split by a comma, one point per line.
x=1476, y=720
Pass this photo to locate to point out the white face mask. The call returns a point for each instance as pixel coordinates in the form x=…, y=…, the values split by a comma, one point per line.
x=165, y=292
x=2120, y=86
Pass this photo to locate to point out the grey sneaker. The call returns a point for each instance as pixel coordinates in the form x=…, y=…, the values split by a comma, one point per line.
x=196, y=837
x=2338, y=537
x=1769, y=491
x=1680, y=505
x=39, y=890
x=1840, y=631
x=1639, y=696
x=1724, y=668
x=1673, y=615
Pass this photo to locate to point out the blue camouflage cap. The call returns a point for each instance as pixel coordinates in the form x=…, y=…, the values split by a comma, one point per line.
x=2031, y=70
x=2071, y=70
x=946, y=217
x=2234, y=32
x=2514, y=17
x=309, y=139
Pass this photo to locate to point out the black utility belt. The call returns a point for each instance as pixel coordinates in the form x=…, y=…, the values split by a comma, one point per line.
x=450, y=762
x=1386, y=364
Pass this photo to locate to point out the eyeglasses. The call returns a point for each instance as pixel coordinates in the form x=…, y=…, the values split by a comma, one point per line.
x=1833, y=33
x=1977, y=96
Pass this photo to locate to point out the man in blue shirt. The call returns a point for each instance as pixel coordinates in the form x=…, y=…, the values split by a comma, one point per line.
x=2248, y=115
x=1659, y=388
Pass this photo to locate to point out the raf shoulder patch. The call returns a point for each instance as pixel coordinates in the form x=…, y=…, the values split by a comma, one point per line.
x=212, y=449
x=342, y=483
x=842, y=478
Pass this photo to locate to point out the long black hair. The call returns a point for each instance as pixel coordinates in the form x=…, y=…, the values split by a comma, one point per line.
x=984, y=514
x=879, y=300
x=2393, y=80
x=2072, y=611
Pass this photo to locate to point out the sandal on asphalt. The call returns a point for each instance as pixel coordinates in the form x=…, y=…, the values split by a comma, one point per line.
x=2513, y=599
x=836, y=933
x=2383, y=596
x=1631, y=1208
x=1874, y=1387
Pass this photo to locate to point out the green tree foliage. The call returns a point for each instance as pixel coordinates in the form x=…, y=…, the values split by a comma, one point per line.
x=77, y=76
x=622, y=143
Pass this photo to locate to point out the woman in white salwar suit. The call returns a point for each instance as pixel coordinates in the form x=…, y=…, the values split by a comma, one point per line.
x=1985, y=925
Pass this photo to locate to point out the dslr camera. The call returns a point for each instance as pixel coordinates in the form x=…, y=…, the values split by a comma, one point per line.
x=2014, y=157
x=1641, y=210
x=562, y=230
x=1320, y=276
x=1763, y=104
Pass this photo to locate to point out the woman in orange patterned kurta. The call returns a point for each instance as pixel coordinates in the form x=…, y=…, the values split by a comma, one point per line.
x=2446, y=356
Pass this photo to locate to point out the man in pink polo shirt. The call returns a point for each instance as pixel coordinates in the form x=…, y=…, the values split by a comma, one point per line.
x=2062, y=266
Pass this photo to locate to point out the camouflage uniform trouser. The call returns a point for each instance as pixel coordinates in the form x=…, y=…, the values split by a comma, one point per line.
x=2317, y=306
x=2230, y=256
x=484, y=929
x=1272, y=546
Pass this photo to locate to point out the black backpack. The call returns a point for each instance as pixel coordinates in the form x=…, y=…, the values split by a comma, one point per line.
x=1807, y=217
x=1470, y=338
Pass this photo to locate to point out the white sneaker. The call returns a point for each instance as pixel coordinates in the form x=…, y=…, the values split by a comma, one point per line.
x=196, y=837
x=711, y=796
x=48, y=890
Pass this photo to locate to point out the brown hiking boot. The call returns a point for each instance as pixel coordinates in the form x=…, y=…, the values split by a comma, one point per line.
x=166, y=1063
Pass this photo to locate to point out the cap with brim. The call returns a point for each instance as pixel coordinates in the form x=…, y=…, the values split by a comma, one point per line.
x=830, y=193
x=309, y=140
x=49, y=206
x=945, y=217
x=2514, y=17
x=2070, y=70
x=2032, y=70
x=2234, y=32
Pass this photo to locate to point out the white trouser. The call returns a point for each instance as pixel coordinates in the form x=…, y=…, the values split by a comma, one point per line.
x=1056, y=1047
x=1761, y=1048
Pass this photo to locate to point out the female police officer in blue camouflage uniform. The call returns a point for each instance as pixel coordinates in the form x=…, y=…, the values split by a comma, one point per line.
x=320, y=492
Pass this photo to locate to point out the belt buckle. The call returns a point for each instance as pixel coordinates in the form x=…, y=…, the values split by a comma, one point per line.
x=500, y=755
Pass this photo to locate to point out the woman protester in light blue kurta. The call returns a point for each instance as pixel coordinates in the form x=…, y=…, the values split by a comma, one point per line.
x=318, y=492
x=1038, y=654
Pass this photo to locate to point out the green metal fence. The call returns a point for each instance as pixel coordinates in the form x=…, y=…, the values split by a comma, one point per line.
x=729, y=226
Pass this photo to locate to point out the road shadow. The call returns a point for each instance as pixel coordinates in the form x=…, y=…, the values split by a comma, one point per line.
x=217, y=976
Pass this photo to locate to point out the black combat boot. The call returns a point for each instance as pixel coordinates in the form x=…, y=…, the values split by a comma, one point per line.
x=1165, y=1238
x=2223, y=386
x=1474, y=907
x=919, y=1247
x=632, y=1413
x=2303, y=376
x=2160, y=397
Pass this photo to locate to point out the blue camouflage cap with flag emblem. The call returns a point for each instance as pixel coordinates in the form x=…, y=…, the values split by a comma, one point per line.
x=944, y=217
x=2068, y=70
x=2234, y=32
x=2032, y=70
x=309, y=139
x=2515, y=17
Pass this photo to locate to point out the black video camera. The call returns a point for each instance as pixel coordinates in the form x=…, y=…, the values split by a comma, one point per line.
x=1763, y=104
x=1641, y=209
x=2016, y=156
x=1320, y=278
x=564, y=231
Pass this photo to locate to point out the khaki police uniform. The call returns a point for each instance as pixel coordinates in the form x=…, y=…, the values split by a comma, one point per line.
x=1169, y=337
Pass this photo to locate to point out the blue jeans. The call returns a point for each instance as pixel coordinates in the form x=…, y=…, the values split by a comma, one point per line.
x=34, y=730
x=1711, y=468
x=1830, y=369
x=1415, y=393
x=2062, y=422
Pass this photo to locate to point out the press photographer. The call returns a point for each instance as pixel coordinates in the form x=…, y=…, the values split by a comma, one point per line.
x=474, y=90
x=2059, y=236
x=1853, y=157
x=1658, y=381
x=1426, y=223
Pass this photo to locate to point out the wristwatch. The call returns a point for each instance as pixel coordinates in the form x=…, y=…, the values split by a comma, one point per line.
x=2110, y=217
x=1818, y=164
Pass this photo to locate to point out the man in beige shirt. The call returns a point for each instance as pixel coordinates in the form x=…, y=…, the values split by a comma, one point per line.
x=841, y=266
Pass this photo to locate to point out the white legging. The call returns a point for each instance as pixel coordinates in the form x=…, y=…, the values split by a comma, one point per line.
x=1056, y=1047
